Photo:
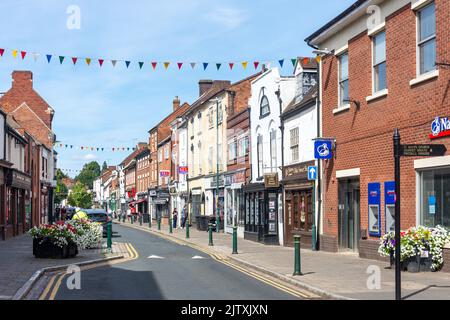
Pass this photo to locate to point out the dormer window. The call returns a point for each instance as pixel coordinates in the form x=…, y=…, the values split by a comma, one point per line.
x=264, y=104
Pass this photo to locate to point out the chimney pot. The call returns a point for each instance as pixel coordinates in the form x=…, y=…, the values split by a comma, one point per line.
x=176, y=103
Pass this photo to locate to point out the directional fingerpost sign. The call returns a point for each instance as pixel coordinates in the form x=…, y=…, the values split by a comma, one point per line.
x=312, y=173
x=422, y=150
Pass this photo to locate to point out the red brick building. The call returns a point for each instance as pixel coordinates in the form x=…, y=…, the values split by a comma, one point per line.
x=381, y=75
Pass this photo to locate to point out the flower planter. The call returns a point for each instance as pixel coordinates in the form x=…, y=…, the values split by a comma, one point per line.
x=45, y=248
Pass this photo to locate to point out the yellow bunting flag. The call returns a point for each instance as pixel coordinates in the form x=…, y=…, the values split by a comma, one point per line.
x=88, y=61
x=166, y=65
x=244, y=64
x=318, y=59
x=14, y=53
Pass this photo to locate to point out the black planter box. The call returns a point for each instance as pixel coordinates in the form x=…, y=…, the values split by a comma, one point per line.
x=44, y=248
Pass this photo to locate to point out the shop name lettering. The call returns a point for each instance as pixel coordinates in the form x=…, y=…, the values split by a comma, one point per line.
x=440, y=127
x=230, y=310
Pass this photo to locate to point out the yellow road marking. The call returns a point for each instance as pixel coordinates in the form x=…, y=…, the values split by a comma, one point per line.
x=47, y=288
x=56, y=287
x=134, y=250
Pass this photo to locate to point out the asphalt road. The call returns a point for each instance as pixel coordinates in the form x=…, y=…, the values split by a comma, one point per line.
x=171, y=274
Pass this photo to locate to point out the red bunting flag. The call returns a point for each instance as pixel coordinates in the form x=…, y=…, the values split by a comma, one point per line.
x=100, y=62
x=256, y=64
x=180, y=64
x=74, y=60
x=2, y=51
x=306, y=60
x=154, y=65
x=23, y=54
x=231, y=65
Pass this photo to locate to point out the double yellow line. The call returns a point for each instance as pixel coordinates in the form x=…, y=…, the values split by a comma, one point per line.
x=53, y=289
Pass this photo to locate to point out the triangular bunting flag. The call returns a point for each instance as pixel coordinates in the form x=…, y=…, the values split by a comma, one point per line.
x=100, y=62
x=193, y=65
x=218, y=65
x=88, y=61
x=141, y=64
x=318, y=59
x=35, y=56
x=23, y=54
x=1, y=52
x=154, y=65
x=103, y=149
x=205, y=65
x=231, y=65
x=61, y=59
x=294, y=61
x=306, y=60
x=127, y=63
x=49, y=57
x=281, y=62
x=244, y=65
x=74, y=60
x=166, y=65
x=14, y=53
x=114, y=62
x=180, y=64
x=81, y=148
x=256, y=64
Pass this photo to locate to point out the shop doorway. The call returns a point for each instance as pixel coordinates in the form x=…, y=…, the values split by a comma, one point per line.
x=349, y=215
x=299, y=215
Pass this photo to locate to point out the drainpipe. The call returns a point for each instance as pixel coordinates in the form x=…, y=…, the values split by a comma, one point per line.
x=278, y=93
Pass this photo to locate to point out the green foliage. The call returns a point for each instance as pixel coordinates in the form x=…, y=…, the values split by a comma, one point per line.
x=61, y=191
x=80, y=197
x=104, y=166
x=88, y=174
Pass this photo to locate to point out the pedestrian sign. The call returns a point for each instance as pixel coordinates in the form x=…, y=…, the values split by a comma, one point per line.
x=323, y=149
x=312, y=173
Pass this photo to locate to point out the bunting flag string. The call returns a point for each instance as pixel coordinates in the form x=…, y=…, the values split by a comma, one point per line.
x=90, y=148
x=257, y=64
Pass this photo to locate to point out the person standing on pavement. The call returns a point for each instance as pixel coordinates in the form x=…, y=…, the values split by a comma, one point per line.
x=175, y=218
x=183, y=216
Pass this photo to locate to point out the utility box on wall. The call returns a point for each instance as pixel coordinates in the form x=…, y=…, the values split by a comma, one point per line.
x=374, y=209
x=389, y=199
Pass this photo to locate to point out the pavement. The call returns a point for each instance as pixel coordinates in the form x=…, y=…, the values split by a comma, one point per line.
x=168, y=270
x=18, y=265
x=333, y=275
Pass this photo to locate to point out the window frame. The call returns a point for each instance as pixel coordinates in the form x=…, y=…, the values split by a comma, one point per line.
x=341, y=103
x=293, y=146
x=259, y=155
x=374, y=66
x=273, y=150
x=264, y=96
x=420, y=43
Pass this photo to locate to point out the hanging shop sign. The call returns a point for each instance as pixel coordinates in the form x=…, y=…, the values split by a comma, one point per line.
x=440, y=127
x=271, y=180
x=183, y=170
x=164, y=173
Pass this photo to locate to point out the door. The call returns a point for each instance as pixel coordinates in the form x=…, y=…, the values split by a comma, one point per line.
x=349, y=215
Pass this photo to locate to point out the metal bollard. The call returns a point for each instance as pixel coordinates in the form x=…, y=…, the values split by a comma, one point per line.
x=108, y=231
x=149, y=221
x=187, y=228
x=132, y=219
x=297, y=262
x=170, y=225
x=159, y=223
x=235, y=250
x=210, y=235
x=140, y=220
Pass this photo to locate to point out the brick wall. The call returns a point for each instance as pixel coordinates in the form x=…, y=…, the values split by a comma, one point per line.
x=364, y=135
x=446, y=255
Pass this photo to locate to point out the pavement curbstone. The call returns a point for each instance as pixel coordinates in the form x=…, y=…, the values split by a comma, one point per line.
x=26, y=288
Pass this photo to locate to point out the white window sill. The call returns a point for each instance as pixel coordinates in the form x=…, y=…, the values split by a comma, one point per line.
x=377, y=95
x=341, y=109
x=376, y=29
x=419, y=4
x=424, y=77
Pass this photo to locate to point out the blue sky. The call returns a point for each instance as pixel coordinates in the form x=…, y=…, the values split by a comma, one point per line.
x=108, y=107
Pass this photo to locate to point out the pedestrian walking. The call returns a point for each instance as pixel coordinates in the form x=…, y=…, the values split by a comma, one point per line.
x=183, y=216
x=175, y=218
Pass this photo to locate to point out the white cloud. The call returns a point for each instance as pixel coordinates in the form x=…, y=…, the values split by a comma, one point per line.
x=90, y=156
x=227, y=17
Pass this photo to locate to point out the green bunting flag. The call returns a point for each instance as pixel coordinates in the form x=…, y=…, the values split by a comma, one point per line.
x=140, y=65
x=61, y=59
x=218, y=65
x=294, y=61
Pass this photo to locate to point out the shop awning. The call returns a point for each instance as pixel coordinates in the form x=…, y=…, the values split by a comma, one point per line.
x=137, y=201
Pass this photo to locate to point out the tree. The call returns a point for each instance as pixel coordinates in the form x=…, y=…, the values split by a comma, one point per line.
x=88, y=174
x=80, y=196
x=61, y=191
x=104, y=166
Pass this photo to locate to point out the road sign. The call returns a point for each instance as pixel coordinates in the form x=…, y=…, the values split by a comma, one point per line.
x=422, y=150
x=323, y=149
x=312, y=173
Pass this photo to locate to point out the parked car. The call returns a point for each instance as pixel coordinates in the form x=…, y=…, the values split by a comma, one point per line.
x=70, y=212
x=99, y=215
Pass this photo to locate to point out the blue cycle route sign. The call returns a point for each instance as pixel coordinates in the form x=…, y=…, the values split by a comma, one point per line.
x=323, y=149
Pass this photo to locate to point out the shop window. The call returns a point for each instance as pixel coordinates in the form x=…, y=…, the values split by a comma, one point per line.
x=435, y=197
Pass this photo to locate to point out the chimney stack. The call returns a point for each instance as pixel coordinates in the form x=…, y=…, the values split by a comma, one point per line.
x=22, y=79
x=176, y=103
x=204, y=85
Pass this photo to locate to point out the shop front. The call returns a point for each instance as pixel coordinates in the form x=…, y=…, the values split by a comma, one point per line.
x=261, y=210
x=234, y=202
x=215, y=198
x=298, y=203
x=160, y=201
x=178, y=197
x=18, y=188
x=197, y=203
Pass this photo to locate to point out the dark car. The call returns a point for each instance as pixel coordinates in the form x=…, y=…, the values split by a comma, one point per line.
x=100, y=216
x=69, y=213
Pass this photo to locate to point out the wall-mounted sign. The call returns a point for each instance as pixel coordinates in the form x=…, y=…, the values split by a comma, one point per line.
x=432, y=205
x=323, y=149
x=440, y=127
x=183, y=170
x=271, y=180
x=422, y=150
x=164, y=173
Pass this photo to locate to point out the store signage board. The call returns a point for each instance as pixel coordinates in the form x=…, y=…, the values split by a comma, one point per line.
x=183, y=170
x=323, y=149
x=440, y=127
x=271, y=180
x=164, y=173
x=422, y=150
